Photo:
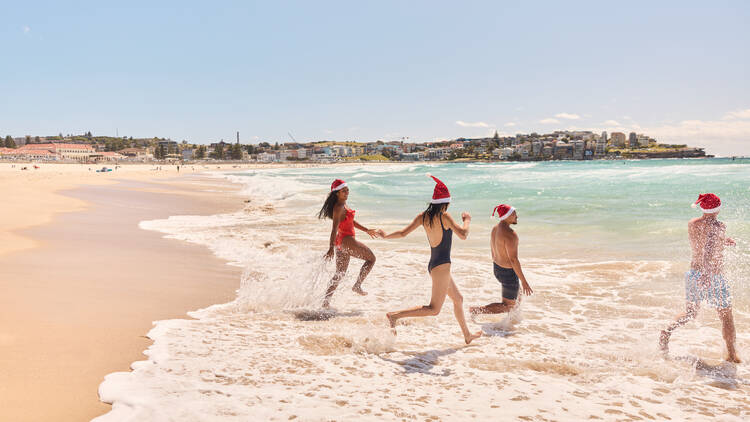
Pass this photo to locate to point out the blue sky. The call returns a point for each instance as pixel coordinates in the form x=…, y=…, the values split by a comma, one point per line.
x=377, y=70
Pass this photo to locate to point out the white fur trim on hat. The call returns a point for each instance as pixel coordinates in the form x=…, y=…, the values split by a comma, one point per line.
x=339, y=187
x=710, y=210
x=507, y=214
x=440, y=200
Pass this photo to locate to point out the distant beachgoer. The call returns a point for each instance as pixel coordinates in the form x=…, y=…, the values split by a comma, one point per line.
x=439, y=268
x=705, y=280
x=178, y=169
x=506, y=266
x=343, y=241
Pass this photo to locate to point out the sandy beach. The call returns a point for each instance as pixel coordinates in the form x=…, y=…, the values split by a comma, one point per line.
x=82, y=283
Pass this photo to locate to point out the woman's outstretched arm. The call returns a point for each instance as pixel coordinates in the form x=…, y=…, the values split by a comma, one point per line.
x=406, y=230
x=463, y=230
x=372, y=232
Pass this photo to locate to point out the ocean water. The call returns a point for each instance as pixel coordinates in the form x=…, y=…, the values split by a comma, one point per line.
x=603, y=245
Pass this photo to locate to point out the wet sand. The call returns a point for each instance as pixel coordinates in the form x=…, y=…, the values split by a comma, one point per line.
x=81, y=290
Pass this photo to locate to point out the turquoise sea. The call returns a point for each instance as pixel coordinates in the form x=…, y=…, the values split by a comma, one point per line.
x=636, y=208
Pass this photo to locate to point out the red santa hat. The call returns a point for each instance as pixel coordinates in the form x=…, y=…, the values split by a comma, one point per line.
x=708, y=202
x=440, y=195
x=503, y=211
x=337, y=184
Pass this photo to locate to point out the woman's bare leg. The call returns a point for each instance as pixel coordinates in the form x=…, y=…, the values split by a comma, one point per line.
x=342, y=263
x=458, y=311
x=440, y=283
x=361, y=251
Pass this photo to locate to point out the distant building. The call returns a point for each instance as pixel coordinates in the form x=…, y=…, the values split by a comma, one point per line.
x=578, y=148
x=80, y=152
x=618, y=139
x=136, y=153
x=563, y=151
x=437, y=153
x=106, y=156
x=167, y=143
x=411, y=156
x=604, y=136
x=632, y=140
x=536, y=148
x=266, y=157
x=187, y=154
x=601, y=146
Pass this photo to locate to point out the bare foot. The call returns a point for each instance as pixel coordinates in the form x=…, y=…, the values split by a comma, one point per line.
x=734, y=359
x=358, y=290
x=391, y=322
x=326, y=304
x=472, y=337
x=664, y=341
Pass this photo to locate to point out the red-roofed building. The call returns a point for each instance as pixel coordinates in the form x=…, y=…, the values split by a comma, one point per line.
x=60, y=151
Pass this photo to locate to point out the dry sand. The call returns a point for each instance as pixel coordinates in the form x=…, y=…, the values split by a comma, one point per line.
x=81, y=283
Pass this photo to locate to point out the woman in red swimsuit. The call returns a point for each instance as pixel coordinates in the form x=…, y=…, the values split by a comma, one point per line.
x=342, y=237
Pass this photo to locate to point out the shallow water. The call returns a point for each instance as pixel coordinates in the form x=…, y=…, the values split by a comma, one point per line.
x=603, y=246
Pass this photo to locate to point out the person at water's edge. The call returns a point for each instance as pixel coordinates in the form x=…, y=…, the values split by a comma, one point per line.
x=343, y=241
x=439, y=227
x=506, y=266
x=705, y=280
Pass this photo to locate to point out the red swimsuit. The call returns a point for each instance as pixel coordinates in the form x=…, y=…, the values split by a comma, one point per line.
x=346, y=227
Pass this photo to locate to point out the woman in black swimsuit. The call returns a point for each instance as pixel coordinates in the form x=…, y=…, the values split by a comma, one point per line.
x=440, y=259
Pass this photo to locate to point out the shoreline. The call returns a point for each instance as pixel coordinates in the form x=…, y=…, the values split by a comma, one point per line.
x=83, y=283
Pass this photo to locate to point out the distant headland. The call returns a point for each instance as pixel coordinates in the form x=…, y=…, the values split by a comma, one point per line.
x=557, y=145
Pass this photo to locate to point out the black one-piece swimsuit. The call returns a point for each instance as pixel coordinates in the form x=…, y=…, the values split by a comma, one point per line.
x=441, y=254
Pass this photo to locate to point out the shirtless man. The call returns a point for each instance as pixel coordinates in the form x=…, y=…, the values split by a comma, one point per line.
x=705, y=280
x=504, y=245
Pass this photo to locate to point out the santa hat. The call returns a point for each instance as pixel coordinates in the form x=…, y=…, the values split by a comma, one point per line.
x=337, y=184
x=503, y=211
x=440, y=195
x=708, y=202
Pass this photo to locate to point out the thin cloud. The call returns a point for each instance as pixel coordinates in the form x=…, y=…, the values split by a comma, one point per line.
x=569, y=116
x=471, y=124
x=549, y=121
x=740, y=114
x=722, y=137
x=26, y=29
x=611, y=123
x=510, y=124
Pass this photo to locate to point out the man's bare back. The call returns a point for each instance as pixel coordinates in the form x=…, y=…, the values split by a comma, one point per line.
x=707, y=239
x=502, y=235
